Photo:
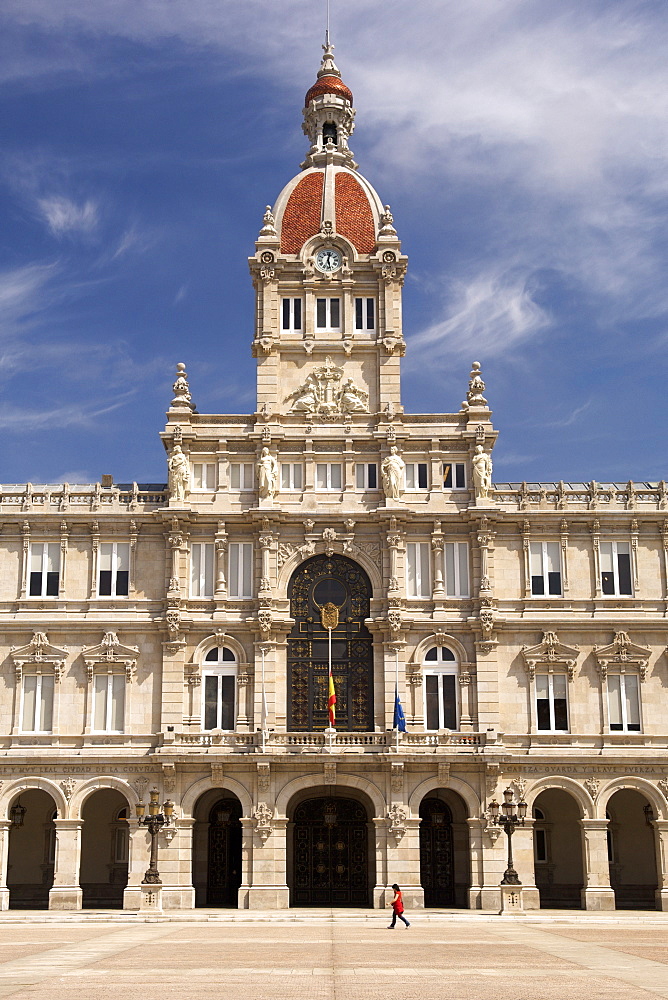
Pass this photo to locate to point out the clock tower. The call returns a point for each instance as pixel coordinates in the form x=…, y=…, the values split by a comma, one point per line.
x=328, y=273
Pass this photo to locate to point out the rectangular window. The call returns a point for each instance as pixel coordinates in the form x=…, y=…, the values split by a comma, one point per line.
x=440, y=694
x=37, y=709
x=241, y=476
x=291, y=315
x=540, y=846
x=454, y=476
x=416, y=476
x=545, y=568
x=241, y=569
x=366, y=476
x=624, y=703
x=114, y=576
x=616, y=568
x=418, y=579
x=121, y=845
x=219, y=699
x=552, y=703
x=328, y=315
x=292, y=476
x=201, y=569
x=204, y=476
x=456, y=569
x=328, y=476
x=108, y=703
x=365, y=315
x=44, y=569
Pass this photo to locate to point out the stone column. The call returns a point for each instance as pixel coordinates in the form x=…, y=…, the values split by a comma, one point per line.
x=221, y=558
x=597, y=894
x=476, y=872
x=138, y=859
x=437, y=545
x=247, y=828
x=174, y=865
x=66, y=893
x=661, y=844
x=380, y=890
x=465, y=723
x=403, y=864
x=269, y=889
x=5, y=827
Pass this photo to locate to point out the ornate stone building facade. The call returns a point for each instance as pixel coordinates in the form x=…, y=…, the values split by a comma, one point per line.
x=180, y=638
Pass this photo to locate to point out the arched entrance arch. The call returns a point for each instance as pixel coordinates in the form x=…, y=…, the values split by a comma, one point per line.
x=445, y=854
x=335, y=591
x=217, y=849
x=330, y=848
x=631, y=850
x=32, y=851
x=558, y=854
x=103, y=873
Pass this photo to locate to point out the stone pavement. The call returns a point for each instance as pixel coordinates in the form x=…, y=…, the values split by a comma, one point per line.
x=331, y=955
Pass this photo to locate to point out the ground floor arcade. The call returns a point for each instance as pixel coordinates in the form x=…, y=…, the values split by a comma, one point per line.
x=330, y=835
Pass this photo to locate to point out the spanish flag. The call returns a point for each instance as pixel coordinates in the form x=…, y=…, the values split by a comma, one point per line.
x=331, y=702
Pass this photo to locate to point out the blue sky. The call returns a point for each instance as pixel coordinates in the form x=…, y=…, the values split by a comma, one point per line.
x=522, y=145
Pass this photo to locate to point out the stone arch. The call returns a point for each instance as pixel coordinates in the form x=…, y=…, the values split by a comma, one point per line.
x=211, y=640
x=297, y=558
x=14, y=789
x=641, y=785
x=198, y=788
x=439, y=639
x=97, y=784
x=341, y=242
x=315, y=783
x=569, y=785
x=465, y=791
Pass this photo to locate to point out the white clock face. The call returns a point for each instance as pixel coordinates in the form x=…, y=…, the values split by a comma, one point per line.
x=328, y=260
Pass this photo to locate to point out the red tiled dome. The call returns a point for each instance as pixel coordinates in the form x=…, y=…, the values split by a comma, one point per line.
x=354, y=218
x=301, y=218
x=328, y=85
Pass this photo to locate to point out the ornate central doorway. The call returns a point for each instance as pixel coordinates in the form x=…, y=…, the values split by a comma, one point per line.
x=437, y=868
x=318, y=585
x=224, y=868
x=331, y=853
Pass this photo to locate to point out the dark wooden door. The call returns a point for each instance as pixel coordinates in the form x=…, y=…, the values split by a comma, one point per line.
x=331, y=854
x=224, y=869
x=437, y=869
x=339, y=582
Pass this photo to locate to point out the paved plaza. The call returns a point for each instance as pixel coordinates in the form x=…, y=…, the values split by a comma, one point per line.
x=333, y=956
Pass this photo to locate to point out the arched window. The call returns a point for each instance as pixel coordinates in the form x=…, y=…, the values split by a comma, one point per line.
x=540, y=852
x=441, y=702
x=121, y=837
x=329, y=132
x=219, y=686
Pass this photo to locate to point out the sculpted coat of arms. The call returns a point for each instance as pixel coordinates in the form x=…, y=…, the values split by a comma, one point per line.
x=326, y=393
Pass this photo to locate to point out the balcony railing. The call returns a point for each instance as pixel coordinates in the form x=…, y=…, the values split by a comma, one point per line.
x=326, y=742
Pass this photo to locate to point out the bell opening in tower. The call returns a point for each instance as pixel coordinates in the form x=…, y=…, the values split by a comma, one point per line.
x=329, y=133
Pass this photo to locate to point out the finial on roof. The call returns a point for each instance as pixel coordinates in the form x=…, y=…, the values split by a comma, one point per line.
x=328, y=67
x=476, y=387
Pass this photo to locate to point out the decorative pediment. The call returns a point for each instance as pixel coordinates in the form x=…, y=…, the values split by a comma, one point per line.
x=327, y=393
x=39, y=652
x=111, y=653
x=622, y=653
x=550, y=653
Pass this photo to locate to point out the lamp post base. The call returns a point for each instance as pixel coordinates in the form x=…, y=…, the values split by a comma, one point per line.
x=512, y=900
x=151, y=898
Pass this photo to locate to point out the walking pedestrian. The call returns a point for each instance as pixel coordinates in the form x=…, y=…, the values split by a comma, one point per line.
x=397, y=908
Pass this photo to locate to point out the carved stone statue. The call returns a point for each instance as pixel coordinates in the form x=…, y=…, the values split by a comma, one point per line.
x=179, y=474
x=267, y=474
x=306, y=396
x=482, y=473
x=392, y=470
x=352, y=399
x=327, y=394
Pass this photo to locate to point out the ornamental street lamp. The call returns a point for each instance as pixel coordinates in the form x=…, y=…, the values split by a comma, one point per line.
x=154, y=823
x=17, y=814
x=512, y=815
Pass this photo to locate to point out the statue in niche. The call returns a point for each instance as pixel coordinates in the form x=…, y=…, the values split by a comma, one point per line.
x=179, y=474
x=392, y=471
x=351, y=399
x=267, y=474
x=482, y=473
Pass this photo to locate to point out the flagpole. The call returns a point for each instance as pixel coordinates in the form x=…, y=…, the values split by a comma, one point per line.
x=396, y=685
x=330, y=679
x=263, y=709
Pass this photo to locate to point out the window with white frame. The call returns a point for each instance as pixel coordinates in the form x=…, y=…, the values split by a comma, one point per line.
x=545, y=560
x=416, y=476
x=201, y=569
x=240, y=569
x=365, y=314
x=219, y=685
x=616, y=568
x=292, y=476
x=108, y=703
x=114, y=572
x=44, y=569
x=624, y=703
x=328, y=315
x=552, y=703
x=241, y=476
x=37, y=703
x=366, y=476
x=291, y=315
x=440, y=689
x=454, y=476
x=418, y=574
x=328, y=476
x=204, y=476
x=456, y=555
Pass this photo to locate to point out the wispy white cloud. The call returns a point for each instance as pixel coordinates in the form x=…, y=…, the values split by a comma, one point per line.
x=24, y=420
x=64, y=216
x=572, y=417
x=24, y=292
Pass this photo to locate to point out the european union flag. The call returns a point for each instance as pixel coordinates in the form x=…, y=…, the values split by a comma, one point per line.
x=399, y=717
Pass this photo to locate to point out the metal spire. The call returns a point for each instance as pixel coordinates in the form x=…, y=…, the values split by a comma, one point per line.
x=327, y=25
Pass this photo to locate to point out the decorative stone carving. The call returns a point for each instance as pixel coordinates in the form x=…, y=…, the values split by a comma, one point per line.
x=521, y=787
x=182, y=398
x=179, y=474
x=68, y=785
x=591, y=784
x=111, y=653
x=474, y=396
x=387, y=229
x=330, y=774
x=169, y=777
x=397, y=817
x=140, y=787
x=285, y=550
x=267, y=475
x=326, y=394
x=269, y=224
x=394, y=622
x=329, y=537
x=397, y=777
x=393, y=470
x=622, y=653
x=492, y=774
x=482, y=473
x=443, y=775
x=265, y=621
x=663, y=785
x=486, y=618
x=550, y=653
x=40, y=652
x=263, y=777
x=263, y=816
x=217, y=775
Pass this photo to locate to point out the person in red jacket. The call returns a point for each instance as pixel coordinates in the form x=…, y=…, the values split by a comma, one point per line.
x=397, y=908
